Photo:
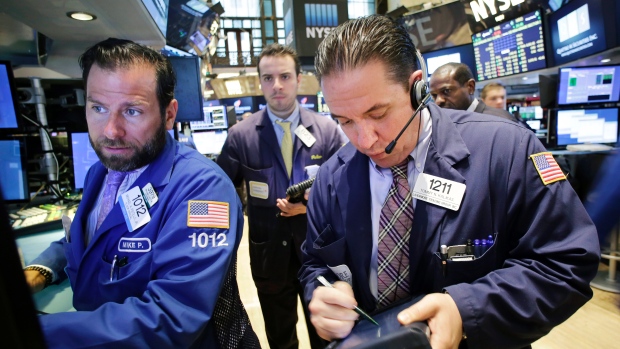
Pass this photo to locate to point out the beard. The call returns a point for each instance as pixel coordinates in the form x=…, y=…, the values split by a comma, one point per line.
x=141, y=155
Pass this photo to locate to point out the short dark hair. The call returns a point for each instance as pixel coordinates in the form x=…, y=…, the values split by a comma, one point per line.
x=277, y=50
x=112, y=53
x=359, y=41
x=490, y=86
x=461, y=72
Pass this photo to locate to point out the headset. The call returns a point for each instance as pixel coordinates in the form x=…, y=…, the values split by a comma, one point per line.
x=419, y=90
x=419, y=96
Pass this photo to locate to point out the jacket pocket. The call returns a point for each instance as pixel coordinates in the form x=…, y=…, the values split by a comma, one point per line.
x=330, y=247
x=260, y=186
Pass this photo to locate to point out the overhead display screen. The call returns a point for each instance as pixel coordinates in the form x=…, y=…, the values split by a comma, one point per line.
x=584, y=85
x=459, y=54
x=513, y=47
x=577, y=30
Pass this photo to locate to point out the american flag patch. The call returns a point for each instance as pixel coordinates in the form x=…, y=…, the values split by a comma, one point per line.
x=547, y=168
x=207, y=214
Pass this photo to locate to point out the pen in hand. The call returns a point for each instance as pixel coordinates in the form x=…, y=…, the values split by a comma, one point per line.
x=326, y=283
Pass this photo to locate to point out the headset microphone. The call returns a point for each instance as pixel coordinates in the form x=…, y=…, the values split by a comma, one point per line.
x=392, y=144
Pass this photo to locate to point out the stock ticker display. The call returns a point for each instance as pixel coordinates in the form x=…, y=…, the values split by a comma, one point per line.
x=513, y=47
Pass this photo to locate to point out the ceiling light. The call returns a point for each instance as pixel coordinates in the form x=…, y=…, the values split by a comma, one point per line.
x=525, y=78
x=81, y=16
x=606, y=60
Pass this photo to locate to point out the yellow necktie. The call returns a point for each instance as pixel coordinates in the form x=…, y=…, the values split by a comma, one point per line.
x=287, y=146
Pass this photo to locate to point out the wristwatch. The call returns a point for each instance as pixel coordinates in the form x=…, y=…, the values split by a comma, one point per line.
x=46, y=273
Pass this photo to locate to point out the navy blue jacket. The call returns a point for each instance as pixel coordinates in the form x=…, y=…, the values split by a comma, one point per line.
x=251, y=154
x=535, y=275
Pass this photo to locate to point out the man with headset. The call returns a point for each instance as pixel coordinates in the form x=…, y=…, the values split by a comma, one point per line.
x=388, y=211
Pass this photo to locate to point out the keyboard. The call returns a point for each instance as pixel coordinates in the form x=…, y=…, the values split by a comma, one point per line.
x=41, y=218
x=588, y=147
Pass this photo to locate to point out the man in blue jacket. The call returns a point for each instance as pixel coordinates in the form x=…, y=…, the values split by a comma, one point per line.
x=377, y=217
x=152, y=247
x=270, y=151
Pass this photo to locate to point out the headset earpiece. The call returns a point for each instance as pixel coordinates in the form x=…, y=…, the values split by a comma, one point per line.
x=419, y=90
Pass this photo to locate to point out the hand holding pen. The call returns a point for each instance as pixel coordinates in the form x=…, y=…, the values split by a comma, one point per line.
x=363, y=314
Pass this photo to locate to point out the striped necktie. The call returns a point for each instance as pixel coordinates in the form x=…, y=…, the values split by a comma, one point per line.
x=393, y=248
x=287, y=146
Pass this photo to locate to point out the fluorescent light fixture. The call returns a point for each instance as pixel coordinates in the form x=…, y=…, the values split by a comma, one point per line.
x=606, y=60
x=81, y=16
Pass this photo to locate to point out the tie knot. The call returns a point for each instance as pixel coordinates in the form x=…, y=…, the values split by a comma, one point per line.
x=116, y=177
x=400, y=170
x=285, y=125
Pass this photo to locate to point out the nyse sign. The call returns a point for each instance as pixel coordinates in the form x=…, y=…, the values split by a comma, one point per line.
x=480, y=7
x=318, y=32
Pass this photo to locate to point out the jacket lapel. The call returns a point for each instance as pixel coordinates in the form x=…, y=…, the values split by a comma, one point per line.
x=353, y=192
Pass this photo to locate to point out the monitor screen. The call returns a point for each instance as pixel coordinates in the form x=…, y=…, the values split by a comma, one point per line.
x=513, y=47
x=241, y=104
x=584, y=85
x=308, y=101
x=84, y=156
x=215, y=119
x=261, y=102
x=188, y=90
x=13, y=170
x=209, y=142
x=8, y=98
x=191, y=26
x=587, y=126
x=577, y=30
x=459, y=54
x=531, y=113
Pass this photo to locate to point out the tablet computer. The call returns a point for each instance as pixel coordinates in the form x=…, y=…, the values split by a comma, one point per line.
x=389, y=334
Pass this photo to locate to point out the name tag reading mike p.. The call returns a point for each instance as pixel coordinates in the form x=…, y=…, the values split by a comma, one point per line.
x=439, y=191
x=134, y=209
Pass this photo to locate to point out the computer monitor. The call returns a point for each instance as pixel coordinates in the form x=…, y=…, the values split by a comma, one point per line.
x=459, y=54
x=261, y=102
x=309, y=102
x=531, y=113
x=580, y=126
x=13, y=170
x=512, y=47
x=20, y=327
x=188, y=90
x=209, y=142
x=589, y=85
x=84, y=157
x=241, y=104
x=215, y=118
x=577, y=30
x=9, y=112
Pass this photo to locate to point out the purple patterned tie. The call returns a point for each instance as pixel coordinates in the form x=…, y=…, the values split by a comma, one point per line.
x=115, y=179
x=393, y=247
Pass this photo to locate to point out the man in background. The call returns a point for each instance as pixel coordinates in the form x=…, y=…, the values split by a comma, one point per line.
x=271, y=150
x=452, y=86
x=493, y=94
x=152, y=249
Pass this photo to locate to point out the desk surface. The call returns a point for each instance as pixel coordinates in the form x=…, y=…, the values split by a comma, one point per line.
x=55, y=298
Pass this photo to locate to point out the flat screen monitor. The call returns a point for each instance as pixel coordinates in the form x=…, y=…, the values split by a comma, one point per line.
x=188, y=90
x=191, y=26
x=241, y=104
x=587, y=85
x=531, y=113
x=13, y=170
x=577, y=30
x=580, y=126
x=512, y=47
x=459, y=54
x=310, y=102
x=84, y=157
x=215, y=119
x=8, y=98
x=209, y=142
